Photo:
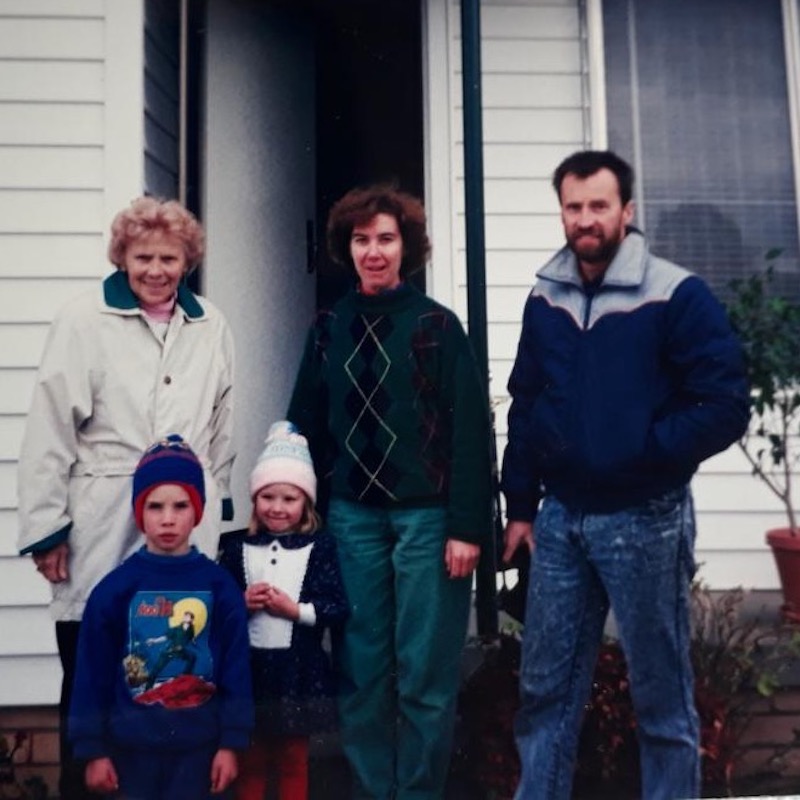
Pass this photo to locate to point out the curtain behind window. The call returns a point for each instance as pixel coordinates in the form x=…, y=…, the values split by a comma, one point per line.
x=697, y=102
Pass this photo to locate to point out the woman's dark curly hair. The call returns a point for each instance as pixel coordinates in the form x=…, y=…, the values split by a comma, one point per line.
x=360, y=205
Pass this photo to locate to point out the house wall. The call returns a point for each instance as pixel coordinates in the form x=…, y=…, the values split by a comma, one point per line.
x=536, y=110
x=534, y=114
x=72, y=152
x=70, y=156
x=258, y=192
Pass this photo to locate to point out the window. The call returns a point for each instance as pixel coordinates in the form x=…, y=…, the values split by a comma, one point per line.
x=698, y=102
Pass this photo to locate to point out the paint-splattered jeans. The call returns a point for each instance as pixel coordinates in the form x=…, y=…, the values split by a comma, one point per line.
x=640, y=562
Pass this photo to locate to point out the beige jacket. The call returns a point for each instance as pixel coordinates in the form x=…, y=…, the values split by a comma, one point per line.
x=107, y=388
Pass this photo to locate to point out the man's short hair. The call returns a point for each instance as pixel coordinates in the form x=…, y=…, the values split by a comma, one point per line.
x=584, y=163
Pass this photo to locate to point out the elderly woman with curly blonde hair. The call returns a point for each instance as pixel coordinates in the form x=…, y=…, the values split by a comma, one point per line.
x=137, y=359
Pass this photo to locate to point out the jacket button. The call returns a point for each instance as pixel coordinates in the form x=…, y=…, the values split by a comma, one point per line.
x=167, y=380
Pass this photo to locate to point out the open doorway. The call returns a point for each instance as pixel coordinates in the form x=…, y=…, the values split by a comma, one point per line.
x=369, y=123
x=298, y=101
x=366, y=94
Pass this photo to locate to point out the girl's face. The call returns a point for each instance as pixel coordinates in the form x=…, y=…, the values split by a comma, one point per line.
x=279, y=507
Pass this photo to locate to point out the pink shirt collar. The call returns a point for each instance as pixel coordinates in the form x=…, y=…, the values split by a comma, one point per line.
x=159, y=312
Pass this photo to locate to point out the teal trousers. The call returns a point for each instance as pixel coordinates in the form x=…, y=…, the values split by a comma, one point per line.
x=399, y=657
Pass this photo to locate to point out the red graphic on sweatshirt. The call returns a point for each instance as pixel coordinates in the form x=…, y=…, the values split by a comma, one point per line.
x=184, y=691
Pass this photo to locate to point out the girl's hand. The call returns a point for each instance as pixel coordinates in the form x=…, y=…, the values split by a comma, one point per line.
x=224, y=770
x=460, y=558
x=255, y=596
x=280, y=604
x=101, y=776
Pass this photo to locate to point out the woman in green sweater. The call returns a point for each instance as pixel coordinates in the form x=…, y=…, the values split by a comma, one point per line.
x=389, y=396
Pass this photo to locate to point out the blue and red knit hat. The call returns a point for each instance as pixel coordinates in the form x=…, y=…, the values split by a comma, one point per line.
x=169, y=460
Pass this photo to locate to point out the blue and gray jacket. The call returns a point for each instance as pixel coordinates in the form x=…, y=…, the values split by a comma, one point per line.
x=619, y=390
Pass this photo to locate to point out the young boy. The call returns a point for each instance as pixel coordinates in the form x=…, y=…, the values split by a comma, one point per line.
x=162, y=693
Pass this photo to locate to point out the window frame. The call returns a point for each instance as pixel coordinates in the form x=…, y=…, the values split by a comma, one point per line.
x=592, y=19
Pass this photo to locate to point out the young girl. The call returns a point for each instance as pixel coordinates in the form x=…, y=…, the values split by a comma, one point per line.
x=289, y=572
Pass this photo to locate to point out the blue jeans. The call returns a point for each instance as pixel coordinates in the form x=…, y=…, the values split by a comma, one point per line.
x=400, y=654
x=640, y=563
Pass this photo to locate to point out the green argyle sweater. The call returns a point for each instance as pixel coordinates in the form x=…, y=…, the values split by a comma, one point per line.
x=390, y=399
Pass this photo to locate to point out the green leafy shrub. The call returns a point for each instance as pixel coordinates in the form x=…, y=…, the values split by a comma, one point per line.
x=736, y=662
x=768, y=326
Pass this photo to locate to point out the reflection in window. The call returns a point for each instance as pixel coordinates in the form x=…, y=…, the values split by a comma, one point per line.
x=698, y=102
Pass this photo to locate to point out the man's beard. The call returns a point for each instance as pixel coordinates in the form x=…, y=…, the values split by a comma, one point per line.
x=602, y=251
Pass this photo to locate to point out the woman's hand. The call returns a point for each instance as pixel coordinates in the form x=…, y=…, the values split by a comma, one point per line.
x=460, y=558
x=53, y=564
x=101, y=776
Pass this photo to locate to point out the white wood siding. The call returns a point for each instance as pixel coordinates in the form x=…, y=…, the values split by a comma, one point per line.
x=535, y=112
x=70, y=157
x=533, y=116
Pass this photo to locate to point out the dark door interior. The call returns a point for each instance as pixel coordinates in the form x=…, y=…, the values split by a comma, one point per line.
x=369, y=108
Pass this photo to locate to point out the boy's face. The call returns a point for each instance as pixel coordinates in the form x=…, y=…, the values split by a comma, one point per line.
x=168, y=518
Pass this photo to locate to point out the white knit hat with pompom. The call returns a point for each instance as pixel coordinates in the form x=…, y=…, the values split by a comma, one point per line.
x=285, y=459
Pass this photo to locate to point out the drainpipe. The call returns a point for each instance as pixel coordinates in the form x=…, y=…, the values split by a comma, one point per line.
x=485, y=587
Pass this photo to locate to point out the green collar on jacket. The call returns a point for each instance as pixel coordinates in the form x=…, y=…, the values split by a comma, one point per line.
x=117, y=294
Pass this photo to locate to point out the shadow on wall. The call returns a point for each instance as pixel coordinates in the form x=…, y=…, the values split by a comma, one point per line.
x=704, y=239
x=710, y=242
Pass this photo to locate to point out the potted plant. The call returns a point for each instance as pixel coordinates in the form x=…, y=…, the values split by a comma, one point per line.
x=768, y=326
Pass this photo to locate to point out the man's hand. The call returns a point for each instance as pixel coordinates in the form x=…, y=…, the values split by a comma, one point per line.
x=53, y=564
x=224, y=770
x=517, y=532
x=460, y=558
x=101, y=776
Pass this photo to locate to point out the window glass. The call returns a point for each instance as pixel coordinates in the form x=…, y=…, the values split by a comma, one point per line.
x=698, y=102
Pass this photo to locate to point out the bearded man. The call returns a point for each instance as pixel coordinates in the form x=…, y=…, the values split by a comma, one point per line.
x=627, y=376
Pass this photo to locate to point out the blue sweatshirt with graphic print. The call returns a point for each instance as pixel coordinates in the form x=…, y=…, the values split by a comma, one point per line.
x=163, y=660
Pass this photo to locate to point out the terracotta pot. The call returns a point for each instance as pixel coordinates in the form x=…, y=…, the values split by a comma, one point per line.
x=786, y=550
